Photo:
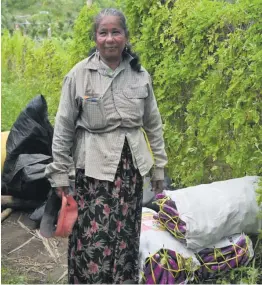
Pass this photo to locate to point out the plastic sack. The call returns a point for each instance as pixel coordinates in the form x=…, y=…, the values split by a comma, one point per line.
x=229, y=253
x=28, y=150
x=155, y=240
x=213, y=211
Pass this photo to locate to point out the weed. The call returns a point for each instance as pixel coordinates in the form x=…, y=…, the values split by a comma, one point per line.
x=10, y=276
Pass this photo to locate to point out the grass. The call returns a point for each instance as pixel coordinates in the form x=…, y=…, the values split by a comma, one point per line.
x=10, y=276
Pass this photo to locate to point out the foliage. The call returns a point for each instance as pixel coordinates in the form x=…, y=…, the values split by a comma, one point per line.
x=83, y=33
x=8, y=276
x=205, y=59
x=28, y=69
x=58, y=15
x=31, y=67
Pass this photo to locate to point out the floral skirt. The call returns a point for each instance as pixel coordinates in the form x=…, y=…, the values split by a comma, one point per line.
x=104, y=244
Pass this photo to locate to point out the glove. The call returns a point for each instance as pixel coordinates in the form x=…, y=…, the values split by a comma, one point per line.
x=157, y=186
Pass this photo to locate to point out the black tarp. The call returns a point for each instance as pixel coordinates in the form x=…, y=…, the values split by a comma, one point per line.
x=28, y=151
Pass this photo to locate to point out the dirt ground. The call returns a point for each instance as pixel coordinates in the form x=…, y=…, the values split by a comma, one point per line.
x=26, y=253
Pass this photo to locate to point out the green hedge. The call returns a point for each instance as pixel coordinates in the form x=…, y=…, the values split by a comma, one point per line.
x=206, y=61
x=30, y=68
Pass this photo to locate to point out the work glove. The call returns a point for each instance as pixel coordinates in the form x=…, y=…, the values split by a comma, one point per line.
x=157, y=186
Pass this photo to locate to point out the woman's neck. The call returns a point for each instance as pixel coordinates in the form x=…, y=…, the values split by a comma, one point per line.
x=112, y=64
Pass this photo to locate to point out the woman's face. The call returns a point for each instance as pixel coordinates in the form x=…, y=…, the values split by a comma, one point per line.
x=110, y=38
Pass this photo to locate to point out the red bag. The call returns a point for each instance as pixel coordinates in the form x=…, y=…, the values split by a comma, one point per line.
x=67, y=216
x=59, y=216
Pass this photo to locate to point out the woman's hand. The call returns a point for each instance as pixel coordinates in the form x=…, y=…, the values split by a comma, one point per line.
x=158, y=186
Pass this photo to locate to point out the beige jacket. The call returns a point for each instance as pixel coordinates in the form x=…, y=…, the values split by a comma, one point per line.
x=98, y=109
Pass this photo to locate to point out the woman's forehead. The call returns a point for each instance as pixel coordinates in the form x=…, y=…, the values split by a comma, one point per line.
x=110, y=21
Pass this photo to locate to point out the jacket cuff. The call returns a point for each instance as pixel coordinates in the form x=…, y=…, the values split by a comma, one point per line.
x=158, y=174
x=59, y=180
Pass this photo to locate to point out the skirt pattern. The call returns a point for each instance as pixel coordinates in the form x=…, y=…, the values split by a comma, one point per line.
x=104, y=244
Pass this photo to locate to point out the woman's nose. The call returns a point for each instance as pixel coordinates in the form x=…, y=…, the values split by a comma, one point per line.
x=109, y=37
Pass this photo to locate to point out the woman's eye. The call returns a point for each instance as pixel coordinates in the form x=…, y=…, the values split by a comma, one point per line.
x=116, y=32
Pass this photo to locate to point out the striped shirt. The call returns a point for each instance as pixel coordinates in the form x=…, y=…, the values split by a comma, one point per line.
x=99, y=109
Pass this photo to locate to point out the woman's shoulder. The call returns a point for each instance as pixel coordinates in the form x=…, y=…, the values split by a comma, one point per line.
x=82, y=65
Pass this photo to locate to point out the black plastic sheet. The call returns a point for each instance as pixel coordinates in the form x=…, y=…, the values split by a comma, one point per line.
x=28, y=151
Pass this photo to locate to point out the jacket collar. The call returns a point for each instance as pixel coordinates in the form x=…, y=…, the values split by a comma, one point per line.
x=93, y=62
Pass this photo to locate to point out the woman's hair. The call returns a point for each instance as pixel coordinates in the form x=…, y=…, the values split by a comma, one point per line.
x=134, y=63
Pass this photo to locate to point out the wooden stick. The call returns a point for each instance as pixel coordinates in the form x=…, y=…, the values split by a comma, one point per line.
x=27, y=229
x=61, y=277
x=17, y=203
x=20, y=246
x=36, y=271
x=6, y=213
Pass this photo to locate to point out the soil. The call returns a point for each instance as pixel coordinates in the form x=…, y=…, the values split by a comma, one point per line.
x=41, y=260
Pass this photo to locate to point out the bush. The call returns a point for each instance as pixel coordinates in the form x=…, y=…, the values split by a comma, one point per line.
x=30, y=68
x=205, y=58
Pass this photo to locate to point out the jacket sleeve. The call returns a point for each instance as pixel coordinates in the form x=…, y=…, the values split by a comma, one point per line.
x=62, y=169
x=153, y=128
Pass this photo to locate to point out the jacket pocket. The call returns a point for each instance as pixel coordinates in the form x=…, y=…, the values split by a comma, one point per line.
x=132, y=103
x=138, y=92
x=94, y=112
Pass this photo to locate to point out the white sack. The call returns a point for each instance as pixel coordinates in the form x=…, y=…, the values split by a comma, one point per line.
x=154, y=237
x=213, y=211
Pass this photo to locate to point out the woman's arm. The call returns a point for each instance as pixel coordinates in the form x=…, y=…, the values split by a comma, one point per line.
x=62, y=168
x=153, y=128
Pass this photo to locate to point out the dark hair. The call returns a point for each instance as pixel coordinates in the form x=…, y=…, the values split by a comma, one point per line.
x=134, y=63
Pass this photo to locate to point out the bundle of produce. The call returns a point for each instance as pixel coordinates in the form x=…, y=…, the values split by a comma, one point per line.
x=163, y=259
x=228, y=254
x=168, y=216
x=166, y=267
x=204, y=214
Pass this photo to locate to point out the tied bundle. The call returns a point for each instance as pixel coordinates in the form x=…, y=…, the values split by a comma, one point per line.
x=167, y=267
x=168, y=216
x=216, y=260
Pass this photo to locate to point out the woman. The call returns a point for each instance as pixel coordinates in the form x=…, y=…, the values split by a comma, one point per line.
x=105, y=101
